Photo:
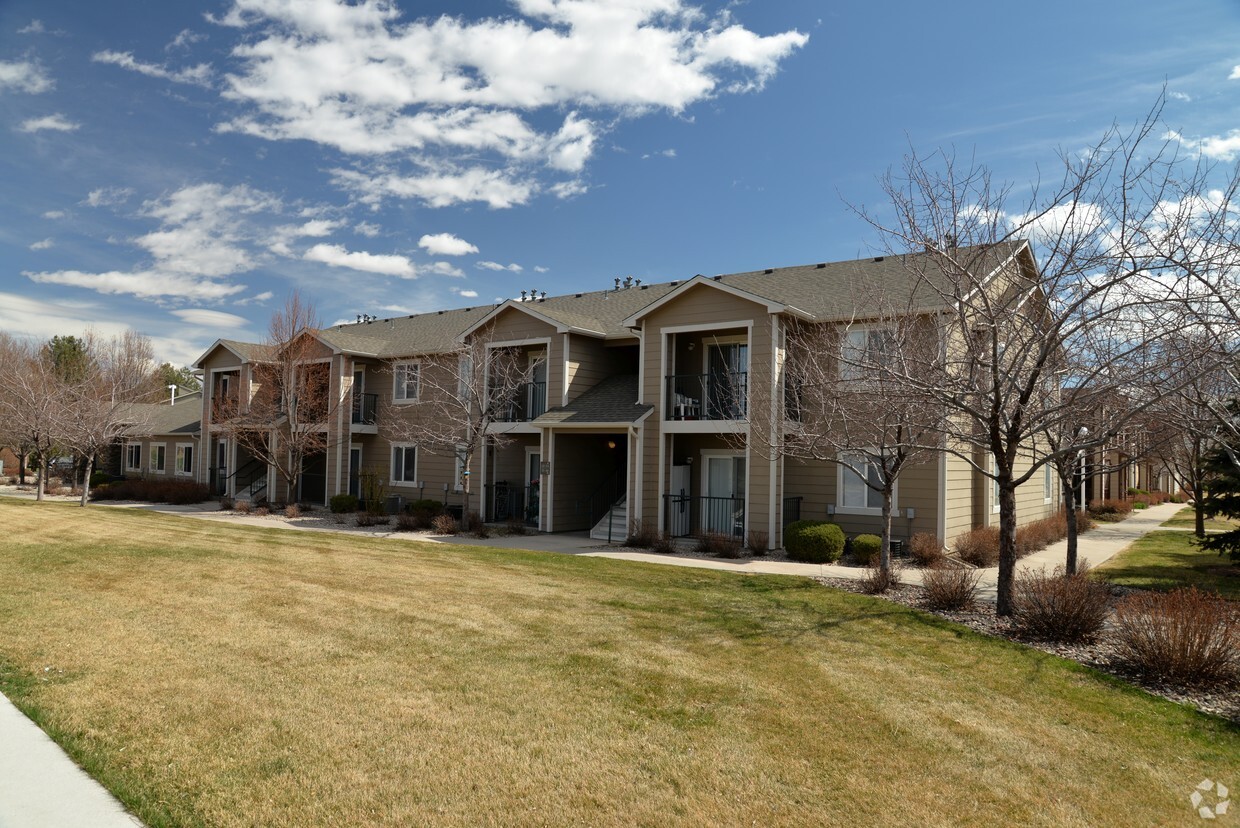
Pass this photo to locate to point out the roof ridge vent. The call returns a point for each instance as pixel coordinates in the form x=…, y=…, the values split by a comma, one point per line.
x=820, y=265
x=878, y=258
x=717, y=278
x=769, y=270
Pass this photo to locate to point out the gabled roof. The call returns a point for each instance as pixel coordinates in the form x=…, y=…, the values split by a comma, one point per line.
x=182, y=418
x=612, y=401
x=717, y=283
x=244, y=351
x=563, y=322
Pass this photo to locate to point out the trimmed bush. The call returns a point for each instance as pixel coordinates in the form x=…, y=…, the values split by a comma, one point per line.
x=1183, y=636
x=865, y=549
x=979, y=547
x=925, y=549
x=98, y=478
x=950, y=587
x=876, y=581
x=176, y=492
x=425, y=504
x=444, y=524
x=1110, y=510
x=1061, y=607
x=719, y=545
x=342, y=504
x=814, y=541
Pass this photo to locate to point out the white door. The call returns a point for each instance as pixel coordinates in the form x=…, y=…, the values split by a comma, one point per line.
x=723, y=484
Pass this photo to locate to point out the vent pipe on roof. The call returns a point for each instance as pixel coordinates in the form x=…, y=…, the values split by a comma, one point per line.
x=820, y=265
x=769, y=270
x=543, y=297
x=617, y=283
x=173, y=389
x=522, y=296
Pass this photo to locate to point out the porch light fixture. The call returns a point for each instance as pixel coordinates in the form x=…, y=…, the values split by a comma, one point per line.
x=611, y=444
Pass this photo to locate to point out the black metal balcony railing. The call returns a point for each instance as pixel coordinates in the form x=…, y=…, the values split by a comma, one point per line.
x=528, y=403
x=505, y=501
x=689, y=516
x=707, y=396
x=792, y=509
x=365, y=408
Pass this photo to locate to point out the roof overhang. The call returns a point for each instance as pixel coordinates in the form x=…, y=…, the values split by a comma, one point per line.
x=219, y=343
x=703, y=281
x=523, y=307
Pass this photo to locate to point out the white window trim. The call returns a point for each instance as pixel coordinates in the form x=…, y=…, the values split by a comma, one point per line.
x=994, y=486
x=840, y=509
x=129, y=467
x=1048, y=485
x=848, y=372
x=150, y=458
x=396, y=376
x=392, y=465
x=458, y=468
x=176, y=468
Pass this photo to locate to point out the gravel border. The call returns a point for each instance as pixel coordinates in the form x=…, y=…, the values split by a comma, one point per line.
x=1220, y=700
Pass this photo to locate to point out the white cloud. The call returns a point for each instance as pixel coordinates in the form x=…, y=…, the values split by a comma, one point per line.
x=1180, y=96
x=145, y=284
x=1235, y=73
x=43, y=245
x=439, y=189
x=257, y=298
x=184, y=39
x=541, y=269
x=367, y=229
x=33, y=27
x=667, y=153
x=513, y=268
x=24, y=76
x=203, y=228
x=568, y=189
x=205, y=318
x=443, y=269
x=108, y=196
x=445, y=244
x=55, y=214
x=467, y=294
x=386, y=264
x=357, y=78
x=23, y=315
x=1217, y=147
x=199, y=75
x=57, y=122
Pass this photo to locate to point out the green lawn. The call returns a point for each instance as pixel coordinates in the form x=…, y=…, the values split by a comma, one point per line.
x=221, y=675
x=1185, y=519
x=1166, y=560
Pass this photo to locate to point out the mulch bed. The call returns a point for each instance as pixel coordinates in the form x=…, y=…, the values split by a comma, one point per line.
x=1220, y=700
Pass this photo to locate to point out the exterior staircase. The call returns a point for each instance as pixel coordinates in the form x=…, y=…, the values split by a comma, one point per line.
x=617, y=517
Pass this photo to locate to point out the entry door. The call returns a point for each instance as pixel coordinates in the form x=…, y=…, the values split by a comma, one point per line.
x=533, y=478
x=680, y=502
x=726, y=365
x=723, y=507
x=221, y=467
x=355, y=471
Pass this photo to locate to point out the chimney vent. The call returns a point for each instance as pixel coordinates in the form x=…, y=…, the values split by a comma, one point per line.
x=878, y=258
x=820, y=265
x=769, y=270
x=617, y=283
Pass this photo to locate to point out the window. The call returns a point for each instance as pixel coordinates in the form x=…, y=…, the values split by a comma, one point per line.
x=1048, y=485
x=185, y=458
x=406, y=377
x=464, y=377
x=404, y=464
x=157, y=457
x=133, y=456
x=994, y=485
x=863, y=347
x=855, y=493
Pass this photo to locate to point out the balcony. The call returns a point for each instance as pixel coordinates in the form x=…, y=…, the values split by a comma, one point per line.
x=365, y=409
x=224, y=408
x=718, y=396
x=528, y=403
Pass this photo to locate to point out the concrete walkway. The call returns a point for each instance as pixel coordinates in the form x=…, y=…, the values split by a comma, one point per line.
x=41, y=787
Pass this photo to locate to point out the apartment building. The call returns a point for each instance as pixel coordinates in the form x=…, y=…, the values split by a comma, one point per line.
x=637, y=407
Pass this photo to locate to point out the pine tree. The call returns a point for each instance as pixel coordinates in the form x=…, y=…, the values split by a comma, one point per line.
x=1222, y=465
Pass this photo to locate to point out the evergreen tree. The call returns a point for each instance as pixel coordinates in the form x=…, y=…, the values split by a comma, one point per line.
x=1222, y=497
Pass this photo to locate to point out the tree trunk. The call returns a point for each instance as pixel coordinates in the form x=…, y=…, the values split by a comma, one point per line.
x=45, y=466
x=21, y=467
x=1199, y=517
x=884, y=554
x=1069, y=505
x=1004, y=604
x=90, y=467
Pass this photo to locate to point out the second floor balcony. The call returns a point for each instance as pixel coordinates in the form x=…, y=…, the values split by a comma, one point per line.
x=717, y=396
x=365, y=409
x=528, y=402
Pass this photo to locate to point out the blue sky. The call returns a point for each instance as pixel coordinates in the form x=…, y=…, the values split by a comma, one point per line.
x=178, y=168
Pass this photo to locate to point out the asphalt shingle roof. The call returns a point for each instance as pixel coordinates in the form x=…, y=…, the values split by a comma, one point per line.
x=185, y=417
x=614, y=400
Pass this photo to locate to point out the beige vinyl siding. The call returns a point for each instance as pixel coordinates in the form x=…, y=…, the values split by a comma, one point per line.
x=816, y=481
x=591, y=360
x=582, y=464
x=514, y=325
x=959, y=498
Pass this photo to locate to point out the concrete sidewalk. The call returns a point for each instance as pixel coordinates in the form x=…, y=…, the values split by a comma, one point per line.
x=41, y=787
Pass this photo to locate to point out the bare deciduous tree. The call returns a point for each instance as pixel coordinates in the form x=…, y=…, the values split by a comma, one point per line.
x=460, y=394
x=1087, y=313
x=294, y=401
x=33, y=405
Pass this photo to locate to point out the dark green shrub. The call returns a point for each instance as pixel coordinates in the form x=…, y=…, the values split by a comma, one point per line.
x=865, y=549
x=342, y=503
x=426, y=504
x=814, y=541
x=98, y=478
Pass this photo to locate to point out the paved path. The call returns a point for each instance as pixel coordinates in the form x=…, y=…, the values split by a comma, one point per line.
x=41, y=787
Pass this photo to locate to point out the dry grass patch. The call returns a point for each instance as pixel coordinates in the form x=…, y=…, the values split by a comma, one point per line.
x=222, y=675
